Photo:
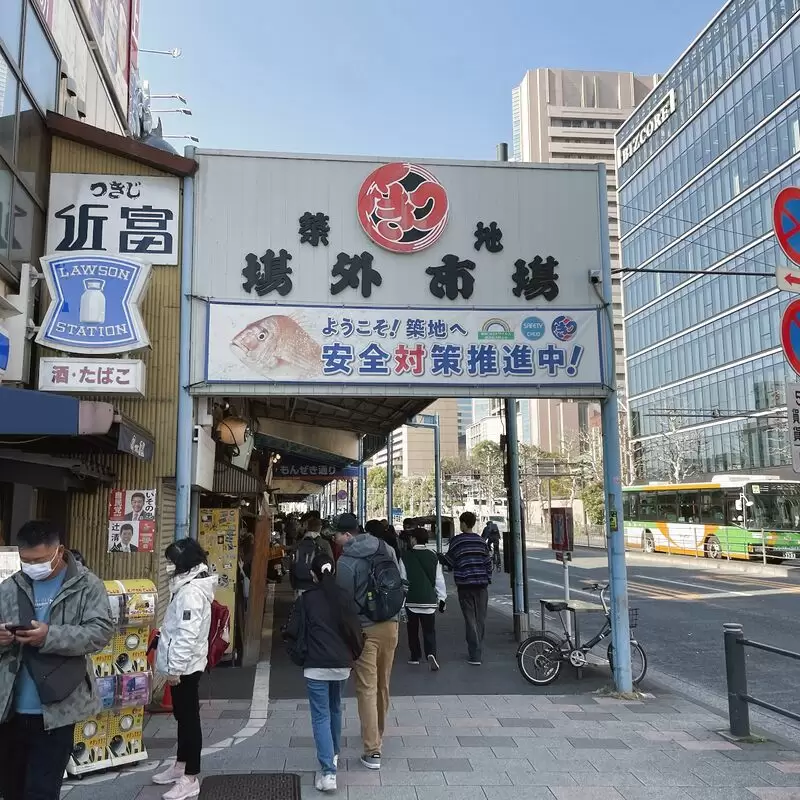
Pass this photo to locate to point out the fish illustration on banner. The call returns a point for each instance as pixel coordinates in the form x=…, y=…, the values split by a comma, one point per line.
x=274, y=342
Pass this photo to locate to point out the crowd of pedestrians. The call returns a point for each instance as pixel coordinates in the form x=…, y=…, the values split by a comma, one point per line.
x=353, y=586
x=378, y=582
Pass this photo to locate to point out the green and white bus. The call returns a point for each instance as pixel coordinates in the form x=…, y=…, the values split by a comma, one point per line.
x=731, y=516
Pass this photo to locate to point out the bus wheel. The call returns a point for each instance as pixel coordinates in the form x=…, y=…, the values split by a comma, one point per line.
x=713, y=547
x=648, y=543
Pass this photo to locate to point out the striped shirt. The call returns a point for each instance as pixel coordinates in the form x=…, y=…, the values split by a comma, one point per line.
x=471, y=560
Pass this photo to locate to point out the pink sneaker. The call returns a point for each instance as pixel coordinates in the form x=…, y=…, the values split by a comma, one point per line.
x=186, y=787
x=170, y=775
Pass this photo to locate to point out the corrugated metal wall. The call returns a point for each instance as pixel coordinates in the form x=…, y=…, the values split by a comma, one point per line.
x=166, y=533
x=157, y=412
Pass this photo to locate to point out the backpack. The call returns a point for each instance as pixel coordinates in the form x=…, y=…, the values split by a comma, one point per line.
x=307, y=548
x=386, y=590
x=219, y=634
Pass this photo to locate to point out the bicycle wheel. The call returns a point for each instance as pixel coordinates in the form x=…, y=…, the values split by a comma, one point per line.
x=638, y=662
x=539, y=658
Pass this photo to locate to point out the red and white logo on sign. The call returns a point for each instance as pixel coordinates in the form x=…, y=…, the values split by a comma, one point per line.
x=402, y=207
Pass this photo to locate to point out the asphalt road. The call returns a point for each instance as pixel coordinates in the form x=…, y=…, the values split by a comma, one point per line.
x=682, y=611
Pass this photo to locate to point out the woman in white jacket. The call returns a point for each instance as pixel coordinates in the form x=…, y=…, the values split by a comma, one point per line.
x=182, y=656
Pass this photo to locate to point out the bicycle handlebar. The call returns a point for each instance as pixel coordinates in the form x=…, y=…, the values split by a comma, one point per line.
x=602, y=588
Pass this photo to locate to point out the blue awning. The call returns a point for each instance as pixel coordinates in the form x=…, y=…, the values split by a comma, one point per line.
x=25, y=412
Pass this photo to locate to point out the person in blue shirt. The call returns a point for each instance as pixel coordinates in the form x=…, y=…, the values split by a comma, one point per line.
x=53, y=614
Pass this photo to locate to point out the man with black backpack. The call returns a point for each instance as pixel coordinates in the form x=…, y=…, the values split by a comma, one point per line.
x=367, y=571
x=311, y=545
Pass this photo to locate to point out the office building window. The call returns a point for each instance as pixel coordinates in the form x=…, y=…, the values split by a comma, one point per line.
x=29, y=70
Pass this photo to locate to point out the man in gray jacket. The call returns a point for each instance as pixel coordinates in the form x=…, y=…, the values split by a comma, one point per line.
x=53, y=614
x=373, y=669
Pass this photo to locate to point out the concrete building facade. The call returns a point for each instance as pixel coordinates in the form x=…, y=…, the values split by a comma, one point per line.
x=561, y=116
x=413, y=447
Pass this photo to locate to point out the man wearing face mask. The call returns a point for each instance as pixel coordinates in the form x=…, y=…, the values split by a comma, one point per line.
x=53, y=614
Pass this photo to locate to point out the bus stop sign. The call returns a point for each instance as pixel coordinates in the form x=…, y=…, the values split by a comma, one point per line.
x=790, y=334
x=786, y=221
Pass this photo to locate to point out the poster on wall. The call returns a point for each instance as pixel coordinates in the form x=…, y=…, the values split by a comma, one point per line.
x=131, y=520
x=9, y=562
x=219, y=537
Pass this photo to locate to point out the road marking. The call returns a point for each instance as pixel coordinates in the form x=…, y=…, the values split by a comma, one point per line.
x=572, y=591
x=666, y=580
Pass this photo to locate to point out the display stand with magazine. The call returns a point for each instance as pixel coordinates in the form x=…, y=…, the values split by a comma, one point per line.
x=114, y=737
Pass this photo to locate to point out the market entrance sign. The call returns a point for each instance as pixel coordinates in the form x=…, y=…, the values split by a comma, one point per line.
x=437, y=277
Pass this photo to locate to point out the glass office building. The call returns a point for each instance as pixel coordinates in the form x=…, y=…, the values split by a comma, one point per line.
x=699, y=165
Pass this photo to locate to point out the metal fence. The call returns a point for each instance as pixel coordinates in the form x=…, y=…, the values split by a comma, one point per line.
x=739, y=698
x=723, y=546
x=584, y=535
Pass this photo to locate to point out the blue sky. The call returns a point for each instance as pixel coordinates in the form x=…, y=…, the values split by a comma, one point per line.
x=421, y=78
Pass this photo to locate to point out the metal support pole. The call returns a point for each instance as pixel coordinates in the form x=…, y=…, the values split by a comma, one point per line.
x=437, y=479
x=185, y=421
x=390, y=478
x=360, y=487
x=736, y=674
x=521, y=622
x=612, y=472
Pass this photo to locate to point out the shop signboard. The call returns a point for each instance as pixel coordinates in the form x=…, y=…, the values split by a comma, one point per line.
x=131, y=520
x=110, y=25
x=120, y=214
x=94, y=375
x=363, y=275
x=301, y=469
x=378, y=346
x=94, y=304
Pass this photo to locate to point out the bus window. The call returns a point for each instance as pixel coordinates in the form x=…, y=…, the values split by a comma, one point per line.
x=689, y=507
x=668, y=506
x=630, y=505
x=733, y=515
x=711, y=508
x=648, y=507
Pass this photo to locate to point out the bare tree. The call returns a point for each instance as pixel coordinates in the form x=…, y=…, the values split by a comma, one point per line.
x=678, y=451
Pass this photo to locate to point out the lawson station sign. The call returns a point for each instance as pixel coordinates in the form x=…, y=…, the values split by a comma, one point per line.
x=94, y=303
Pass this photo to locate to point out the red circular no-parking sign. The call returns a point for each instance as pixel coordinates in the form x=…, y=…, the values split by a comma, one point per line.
x=786, y=221
x=402, y=207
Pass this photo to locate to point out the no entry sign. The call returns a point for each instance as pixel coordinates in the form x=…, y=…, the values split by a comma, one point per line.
x=790, y=334
x=786, y=220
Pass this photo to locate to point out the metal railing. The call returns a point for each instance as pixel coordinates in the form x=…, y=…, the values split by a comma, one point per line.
x=739, y=699
x=723, y=546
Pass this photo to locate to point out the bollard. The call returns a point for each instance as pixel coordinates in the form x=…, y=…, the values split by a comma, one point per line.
x=736, y=674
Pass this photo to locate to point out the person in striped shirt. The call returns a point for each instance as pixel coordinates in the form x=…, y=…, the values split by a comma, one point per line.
x=470, y=559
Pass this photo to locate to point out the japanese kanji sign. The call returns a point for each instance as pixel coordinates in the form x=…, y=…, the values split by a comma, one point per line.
x=793, y=403
x=96, y=376
x=94, y=303
x=318, y=270
x=298, y=344
x=127, y=215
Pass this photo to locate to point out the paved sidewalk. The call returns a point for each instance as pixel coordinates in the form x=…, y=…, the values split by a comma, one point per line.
x=513, y=747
